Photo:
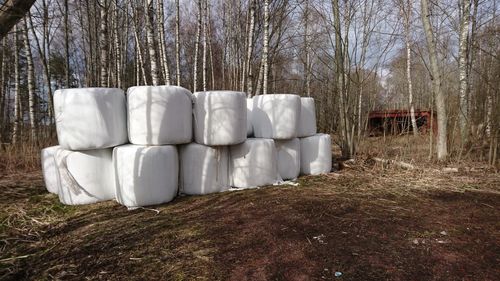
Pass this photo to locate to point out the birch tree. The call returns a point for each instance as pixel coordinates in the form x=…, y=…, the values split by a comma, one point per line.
x=162, y=47
x=250, y=49
x=103, y=42
x=205, y=39
x=17, y=86
x=265, y=67
x=442, y=118
x=196, y=47
x=31, y=83
x=465, y=6
x=150, y=40
x=177, y=44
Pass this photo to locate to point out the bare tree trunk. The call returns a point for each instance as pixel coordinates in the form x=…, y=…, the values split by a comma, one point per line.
x=163, y=50
x=3, y=93
x=31, y=83
x=150, y=40
x=307, y=67
x=205, y=35
x=462, y=68
x=196, y=47
x=138, y=49
x=250, y=49
x=117, y=47
x=66, y=44
x=442, y=150
x=177, y=43
x=103, y=42
x=266, y=47
x=406, y=11
x=17, y=82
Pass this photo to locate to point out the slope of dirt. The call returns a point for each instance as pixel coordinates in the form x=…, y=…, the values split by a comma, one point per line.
x=366, y=223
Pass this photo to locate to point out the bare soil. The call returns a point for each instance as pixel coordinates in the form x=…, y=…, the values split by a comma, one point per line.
x=365, y=222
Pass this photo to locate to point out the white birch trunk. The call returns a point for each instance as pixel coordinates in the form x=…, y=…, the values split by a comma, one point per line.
x=177, y=43
x=31, y=83
x=250, y=49
x=205, y=39
x=196, y=47
x=150, y=41
x=266, y=47
x=163, y=50
x=462, y=68
x=103, y=43
x=17, y=82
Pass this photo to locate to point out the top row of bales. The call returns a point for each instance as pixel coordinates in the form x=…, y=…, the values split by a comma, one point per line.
x=96, y=118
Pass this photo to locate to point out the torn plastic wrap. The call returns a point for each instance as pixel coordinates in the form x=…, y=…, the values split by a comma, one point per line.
x=316, y=154
x=159, y=115
x=276, y=116
x=253, y=163
x=85, y=177
x=288, y=158
x=204, y=169
x=220, y=118
x=145, y=175
x=90, y=118
x=49, y=169
x=307, y=124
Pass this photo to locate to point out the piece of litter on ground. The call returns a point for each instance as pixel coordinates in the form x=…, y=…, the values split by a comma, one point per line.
x=320, y=238
x=444, y=233
x=415, y=241
x=338, y=274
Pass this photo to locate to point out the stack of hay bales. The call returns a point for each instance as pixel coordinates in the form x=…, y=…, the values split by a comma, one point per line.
x=89, y=123
x=291, y=122
x=158, y=141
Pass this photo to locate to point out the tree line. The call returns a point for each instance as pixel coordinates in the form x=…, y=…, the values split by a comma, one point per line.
x=351, y=56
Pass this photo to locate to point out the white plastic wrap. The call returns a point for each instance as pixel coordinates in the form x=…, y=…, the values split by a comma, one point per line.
x=49, y=169
x=90, y=118
x=159, y=115
x=276, y=116
x=288, y=158
x=253, y=163
x=203, y=169
x=220, y=117
x=307, y=124
x=249, y=118
x=145, y=175
x=316, y=154
x=85, y=177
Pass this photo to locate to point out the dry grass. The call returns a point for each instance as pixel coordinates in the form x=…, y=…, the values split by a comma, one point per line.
x=368, y=222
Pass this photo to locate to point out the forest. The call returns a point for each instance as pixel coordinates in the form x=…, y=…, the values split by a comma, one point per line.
x=351, y=56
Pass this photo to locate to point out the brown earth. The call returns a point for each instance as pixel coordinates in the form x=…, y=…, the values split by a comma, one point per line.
x=366, y=222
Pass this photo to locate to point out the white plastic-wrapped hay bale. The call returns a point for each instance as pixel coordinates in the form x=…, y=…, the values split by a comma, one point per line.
x=249, y=118
x=316, y=154
x=85, y=177
x=90, y=118
x=276, y=116
x=159, y=115
x=307, y=124
x=49, y=168
x=145, y=175
x=203, y=169
x=220, y=118
x=253, y=163
x=288, y=158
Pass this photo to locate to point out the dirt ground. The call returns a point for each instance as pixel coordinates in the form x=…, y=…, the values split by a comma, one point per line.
x=362, y=223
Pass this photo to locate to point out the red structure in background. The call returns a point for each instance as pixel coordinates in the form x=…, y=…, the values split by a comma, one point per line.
x=399, y=121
